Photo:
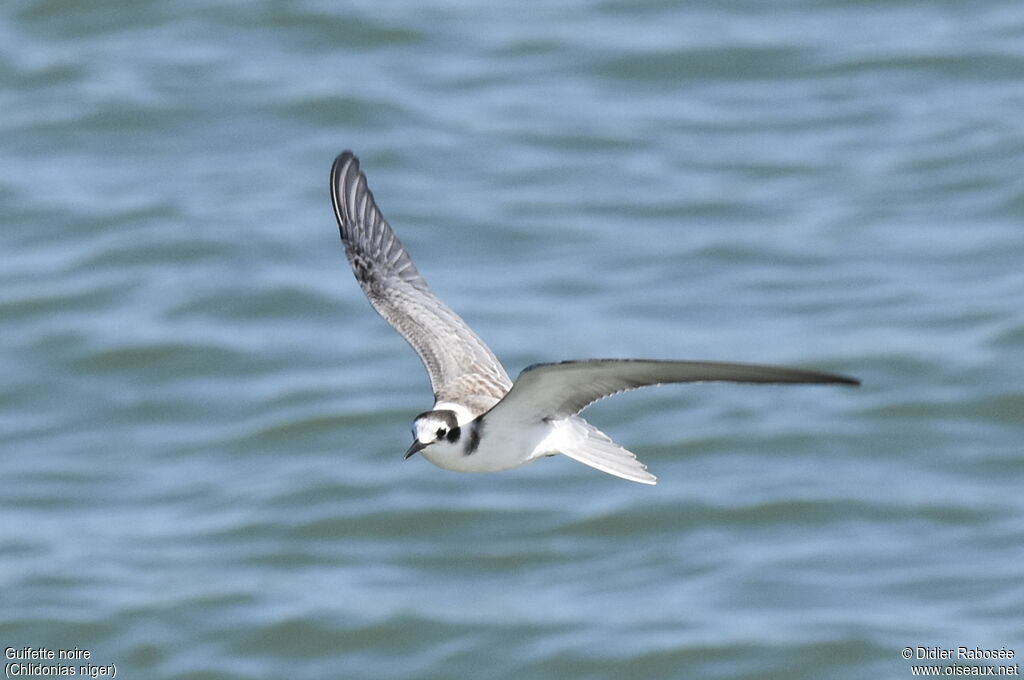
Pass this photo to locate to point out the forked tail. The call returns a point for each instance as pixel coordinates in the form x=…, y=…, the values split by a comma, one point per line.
x=581, y=441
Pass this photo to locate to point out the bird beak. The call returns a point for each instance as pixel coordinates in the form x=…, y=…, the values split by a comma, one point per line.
x=416, y=446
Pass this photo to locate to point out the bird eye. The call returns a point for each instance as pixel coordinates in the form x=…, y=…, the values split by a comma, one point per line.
x=440, y=432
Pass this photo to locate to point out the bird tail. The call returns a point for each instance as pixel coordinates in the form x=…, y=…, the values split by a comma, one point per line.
x=581, y=441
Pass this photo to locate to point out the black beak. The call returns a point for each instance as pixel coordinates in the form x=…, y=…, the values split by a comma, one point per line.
x=416, y=446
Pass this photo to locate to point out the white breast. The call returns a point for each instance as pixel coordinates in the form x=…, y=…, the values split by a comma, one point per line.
x=499, y=448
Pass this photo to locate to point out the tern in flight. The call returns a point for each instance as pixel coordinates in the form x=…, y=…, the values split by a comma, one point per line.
x=481, y=421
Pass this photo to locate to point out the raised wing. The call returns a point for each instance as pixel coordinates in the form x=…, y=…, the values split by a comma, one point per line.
x=458, y=362
x=564, y=389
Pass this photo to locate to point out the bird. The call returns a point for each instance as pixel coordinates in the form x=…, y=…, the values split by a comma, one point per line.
x=481, y=420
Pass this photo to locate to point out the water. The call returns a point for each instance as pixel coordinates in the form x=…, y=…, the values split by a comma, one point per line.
x=201, y=419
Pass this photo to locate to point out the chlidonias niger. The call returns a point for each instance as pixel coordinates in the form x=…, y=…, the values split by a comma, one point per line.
x=482, y=421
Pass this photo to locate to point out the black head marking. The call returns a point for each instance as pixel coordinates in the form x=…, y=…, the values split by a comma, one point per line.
x=474, y=436
x=448, y=417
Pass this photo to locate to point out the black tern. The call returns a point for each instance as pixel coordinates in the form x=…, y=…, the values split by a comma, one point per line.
x=481, y=421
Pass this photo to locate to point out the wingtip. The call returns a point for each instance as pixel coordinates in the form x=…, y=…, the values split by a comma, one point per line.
x=341, y=163
x=343, y=170
x=344, y=156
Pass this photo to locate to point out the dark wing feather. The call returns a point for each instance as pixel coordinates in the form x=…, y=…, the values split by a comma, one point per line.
x=564, y=389
x=458, y=362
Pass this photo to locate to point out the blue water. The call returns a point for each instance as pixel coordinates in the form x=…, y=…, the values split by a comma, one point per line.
x=202, y=420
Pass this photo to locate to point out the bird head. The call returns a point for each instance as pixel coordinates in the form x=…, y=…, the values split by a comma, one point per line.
x=433, y=427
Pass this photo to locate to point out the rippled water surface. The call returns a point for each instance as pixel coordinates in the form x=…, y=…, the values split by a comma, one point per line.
x=202, y=421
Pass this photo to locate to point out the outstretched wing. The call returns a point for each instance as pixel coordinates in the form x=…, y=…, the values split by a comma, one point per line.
x=564, y=389
x=458, y=362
